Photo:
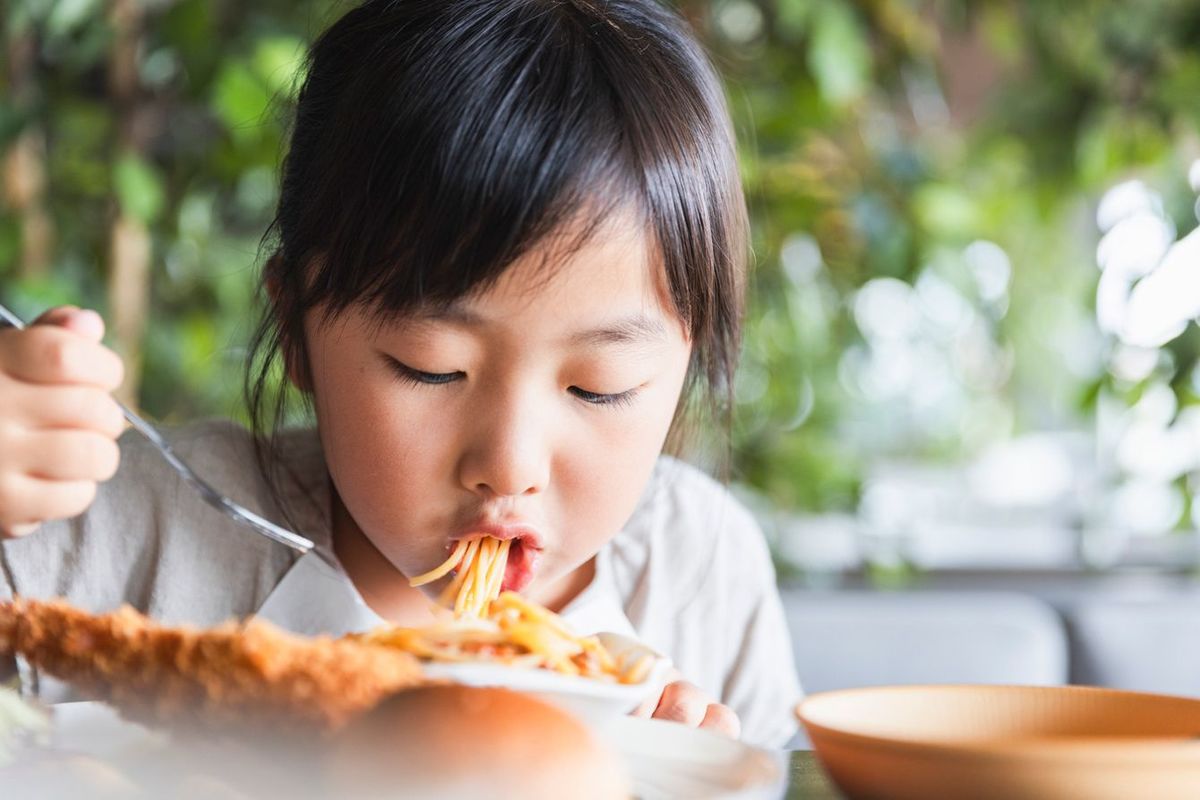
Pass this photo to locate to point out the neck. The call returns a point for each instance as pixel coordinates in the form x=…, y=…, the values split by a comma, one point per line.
x=557, y=594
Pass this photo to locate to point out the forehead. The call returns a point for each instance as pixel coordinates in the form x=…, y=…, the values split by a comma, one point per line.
x=607, y=271
x=612, y=258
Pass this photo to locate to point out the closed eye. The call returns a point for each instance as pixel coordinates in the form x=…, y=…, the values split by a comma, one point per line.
x=597, y=399
x=416, y=376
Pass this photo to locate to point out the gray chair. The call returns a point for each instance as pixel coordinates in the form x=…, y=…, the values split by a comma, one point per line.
x=1150, y=645
x=861, y=638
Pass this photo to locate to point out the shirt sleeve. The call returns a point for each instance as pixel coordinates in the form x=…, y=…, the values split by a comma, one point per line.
x=149, y=541
x=761, y=684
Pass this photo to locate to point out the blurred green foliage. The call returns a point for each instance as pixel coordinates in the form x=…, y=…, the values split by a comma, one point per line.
x=931, y=143
x=924, y=142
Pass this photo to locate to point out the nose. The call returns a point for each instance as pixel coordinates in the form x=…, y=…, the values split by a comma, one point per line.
x=508, y=453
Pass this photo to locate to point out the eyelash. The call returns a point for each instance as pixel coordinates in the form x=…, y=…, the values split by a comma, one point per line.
x=419, y=378
x=618, y=400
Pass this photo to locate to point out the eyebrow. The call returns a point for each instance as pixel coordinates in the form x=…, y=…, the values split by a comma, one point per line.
x=633, y=329
x=638, y=328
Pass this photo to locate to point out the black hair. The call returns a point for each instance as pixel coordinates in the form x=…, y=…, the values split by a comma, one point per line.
x=436, y=141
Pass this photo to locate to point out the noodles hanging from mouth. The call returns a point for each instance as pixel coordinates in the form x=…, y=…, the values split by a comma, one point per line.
x=502, y=627
x=480, y=564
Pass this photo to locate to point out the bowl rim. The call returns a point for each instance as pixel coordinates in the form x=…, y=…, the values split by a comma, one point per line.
x=1114, y=750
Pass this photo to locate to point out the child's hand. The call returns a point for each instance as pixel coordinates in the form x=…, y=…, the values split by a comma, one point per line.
x=687, y=703
x=58, y=421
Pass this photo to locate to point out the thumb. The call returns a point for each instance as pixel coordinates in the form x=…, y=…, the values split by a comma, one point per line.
x=84, y=322
x=647, y=707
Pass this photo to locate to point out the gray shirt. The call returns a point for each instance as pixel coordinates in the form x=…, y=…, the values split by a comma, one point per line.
x=689, y=574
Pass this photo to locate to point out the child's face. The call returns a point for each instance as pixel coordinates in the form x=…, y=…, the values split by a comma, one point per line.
x=534, y=410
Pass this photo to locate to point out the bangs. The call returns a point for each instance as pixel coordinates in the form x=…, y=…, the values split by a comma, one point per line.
x=435, y=143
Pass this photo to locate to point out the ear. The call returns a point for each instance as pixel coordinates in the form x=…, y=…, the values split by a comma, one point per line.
x=291, y=336
x=293, y=362
x=271, y=279
x=294, y=350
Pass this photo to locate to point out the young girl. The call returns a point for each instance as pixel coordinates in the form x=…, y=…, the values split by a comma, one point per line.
x=510, y=247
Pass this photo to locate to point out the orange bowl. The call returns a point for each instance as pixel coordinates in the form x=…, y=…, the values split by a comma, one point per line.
x=982, y=742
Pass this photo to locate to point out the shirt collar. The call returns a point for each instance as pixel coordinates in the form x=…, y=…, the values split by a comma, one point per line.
x=316, y=598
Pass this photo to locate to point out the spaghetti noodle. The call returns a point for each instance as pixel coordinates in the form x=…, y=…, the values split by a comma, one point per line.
x=502, y=627
x=481, y=564
x=517, y=633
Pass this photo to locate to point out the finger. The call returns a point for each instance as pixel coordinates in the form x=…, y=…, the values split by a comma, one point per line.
x=69, y=407
x=17, y=531
x=650, y=703
x=721, y=719
x=55, y=316
x=646, y=708
x=27, y=501
x=48, y=355
x=59, y=455
x=682, y=702
x=83, y=322
x=86, y=323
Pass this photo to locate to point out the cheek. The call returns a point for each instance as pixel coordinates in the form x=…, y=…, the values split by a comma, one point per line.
x=379, y=445
x=364, y=410
x=607, y=475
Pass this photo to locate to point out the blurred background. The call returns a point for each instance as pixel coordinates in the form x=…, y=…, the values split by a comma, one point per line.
x=969, y=348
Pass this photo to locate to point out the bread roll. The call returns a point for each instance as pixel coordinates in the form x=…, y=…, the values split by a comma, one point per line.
x=456, y=741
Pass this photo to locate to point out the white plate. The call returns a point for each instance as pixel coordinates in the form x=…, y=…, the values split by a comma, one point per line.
x=664, y=759
x=669, y=760
x=579, y=695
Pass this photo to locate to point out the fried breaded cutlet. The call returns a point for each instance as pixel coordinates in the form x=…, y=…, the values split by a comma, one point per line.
x=239, y=676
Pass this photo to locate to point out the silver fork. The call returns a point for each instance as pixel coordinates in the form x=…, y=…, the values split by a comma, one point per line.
x=210, y=495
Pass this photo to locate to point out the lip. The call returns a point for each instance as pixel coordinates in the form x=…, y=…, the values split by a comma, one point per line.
x=528, y=536
x=523, y=555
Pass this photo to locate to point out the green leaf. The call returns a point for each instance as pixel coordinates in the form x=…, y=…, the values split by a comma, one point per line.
x=29, y=297
x=67, y=15
x=139, y=188
x=20, y=17
x=792, y=18
x=946, y=210
x=278, y=61
x=241, y=99
x=10, y=246
x=1001, y=29
x=839, y=56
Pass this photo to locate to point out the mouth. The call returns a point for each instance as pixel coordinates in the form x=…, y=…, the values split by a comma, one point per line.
x=524, y=552
x=521, y=566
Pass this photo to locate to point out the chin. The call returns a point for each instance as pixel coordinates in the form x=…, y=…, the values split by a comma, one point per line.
x=556, y=588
